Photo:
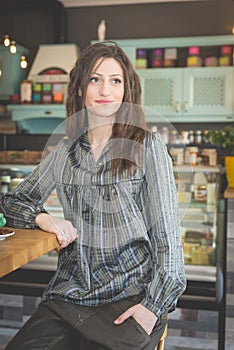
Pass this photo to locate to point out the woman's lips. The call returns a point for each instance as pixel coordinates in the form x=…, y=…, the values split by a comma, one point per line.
x=103, y=101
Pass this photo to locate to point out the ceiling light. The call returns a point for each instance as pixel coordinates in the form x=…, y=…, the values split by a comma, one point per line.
x=13, y=47
x=23, y=62
x=6, y=40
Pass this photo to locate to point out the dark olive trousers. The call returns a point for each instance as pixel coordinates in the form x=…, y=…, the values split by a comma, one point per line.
x=59, y=325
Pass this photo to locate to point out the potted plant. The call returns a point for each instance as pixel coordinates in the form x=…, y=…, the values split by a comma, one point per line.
x=224, y=139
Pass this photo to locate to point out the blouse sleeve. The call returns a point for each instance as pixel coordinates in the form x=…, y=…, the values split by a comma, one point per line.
x=168, y=279
x=21, y=206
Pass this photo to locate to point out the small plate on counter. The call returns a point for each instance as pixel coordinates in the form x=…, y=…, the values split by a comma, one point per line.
x=5, y=232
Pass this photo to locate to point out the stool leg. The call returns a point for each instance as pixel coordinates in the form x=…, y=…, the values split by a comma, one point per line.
x=160, y=345
x=162, y=340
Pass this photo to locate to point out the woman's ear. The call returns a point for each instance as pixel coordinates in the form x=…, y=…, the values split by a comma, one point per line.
x=79, y=92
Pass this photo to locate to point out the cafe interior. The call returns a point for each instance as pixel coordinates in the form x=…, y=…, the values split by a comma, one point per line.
x=183, y=52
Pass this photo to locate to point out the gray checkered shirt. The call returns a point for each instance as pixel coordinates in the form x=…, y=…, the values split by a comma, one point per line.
x=129, y=228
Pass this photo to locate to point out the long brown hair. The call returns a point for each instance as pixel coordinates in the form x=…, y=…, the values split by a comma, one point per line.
x=131, y=125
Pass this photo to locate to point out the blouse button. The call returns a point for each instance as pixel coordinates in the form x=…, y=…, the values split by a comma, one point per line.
x=114, y=191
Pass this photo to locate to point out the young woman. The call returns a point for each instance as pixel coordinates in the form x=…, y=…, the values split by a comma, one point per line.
x=120, y=269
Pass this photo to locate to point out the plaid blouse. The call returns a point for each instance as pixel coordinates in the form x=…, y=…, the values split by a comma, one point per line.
x=129, y=228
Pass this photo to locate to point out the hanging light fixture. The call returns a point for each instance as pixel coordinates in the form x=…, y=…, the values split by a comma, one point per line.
x=6, y=40
x=13, y=47
x=23, y=62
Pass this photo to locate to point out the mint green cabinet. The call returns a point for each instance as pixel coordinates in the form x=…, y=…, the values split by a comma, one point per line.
x=199, y=94
x=162, y=90
x=208, y=91
x=189, y=94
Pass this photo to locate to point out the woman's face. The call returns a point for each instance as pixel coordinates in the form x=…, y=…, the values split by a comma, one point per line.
x=105, y=90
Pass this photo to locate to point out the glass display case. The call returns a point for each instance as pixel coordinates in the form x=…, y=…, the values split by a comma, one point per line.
x=203, y=229
x=198, y=195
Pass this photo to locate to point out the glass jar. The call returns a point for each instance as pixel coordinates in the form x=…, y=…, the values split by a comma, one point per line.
x=191, y=156
x=26, y=91
x=185, y=136
x=4, y=183
x=200, y=187
x=191, y=136
x=165, y=134
x=198, y=136
x=174, y=137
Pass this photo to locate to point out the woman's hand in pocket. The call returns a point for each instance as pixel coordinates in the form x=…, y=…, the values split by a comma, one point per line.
x=141, y=314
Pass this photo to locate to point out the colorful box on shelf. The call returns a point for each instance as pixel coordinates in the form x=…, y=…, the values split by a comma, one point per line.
x=194, y=50
x=157, y=56
x=170, y=53
x=169, y=63
x=224, y=61
x=141, y=63
x=141, y=58
x=211, y=61
x=49, y=92
x=194, y=61
x=226, y=50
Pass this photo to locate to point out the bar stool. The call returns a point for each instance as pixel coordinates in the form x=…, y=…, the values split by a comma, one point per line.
x=162, y=340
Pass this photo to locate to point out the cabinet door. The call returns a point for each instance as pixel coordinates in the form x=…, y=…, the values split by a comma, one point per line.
x=162, y=89
x=208, y=91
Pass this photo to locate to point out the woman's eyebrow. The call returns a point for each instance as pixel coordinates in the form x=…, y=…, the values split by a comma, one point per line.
x=111, y=75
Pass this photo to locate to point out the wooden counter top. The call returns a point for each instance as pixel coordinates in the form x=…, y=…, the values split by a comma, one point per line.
x=229, y=192
x=24, y=246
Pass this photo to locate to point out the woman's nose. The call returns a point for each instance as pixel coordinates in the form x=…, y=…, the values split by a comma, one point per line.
x=105, y=88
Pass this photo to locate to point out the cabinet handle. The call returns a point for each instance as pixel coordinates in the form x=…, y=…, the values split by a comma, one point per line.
x=47, y=112
x=186, y=106
x=177, y=106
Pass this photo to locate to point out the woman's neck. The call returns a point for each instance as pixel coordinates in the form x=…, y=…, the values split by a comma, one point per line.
x=99, y=130
x=98, y=135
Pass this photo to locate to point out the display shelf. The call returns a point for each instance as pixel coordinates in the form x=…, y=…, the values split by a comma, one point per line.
x=186, y=168
x=16, y=167
x=131, y=45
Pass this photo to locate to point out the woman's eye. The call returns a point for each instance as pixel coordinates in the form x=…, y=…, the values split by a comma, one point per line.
x=94, y=80
x=117, y=81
